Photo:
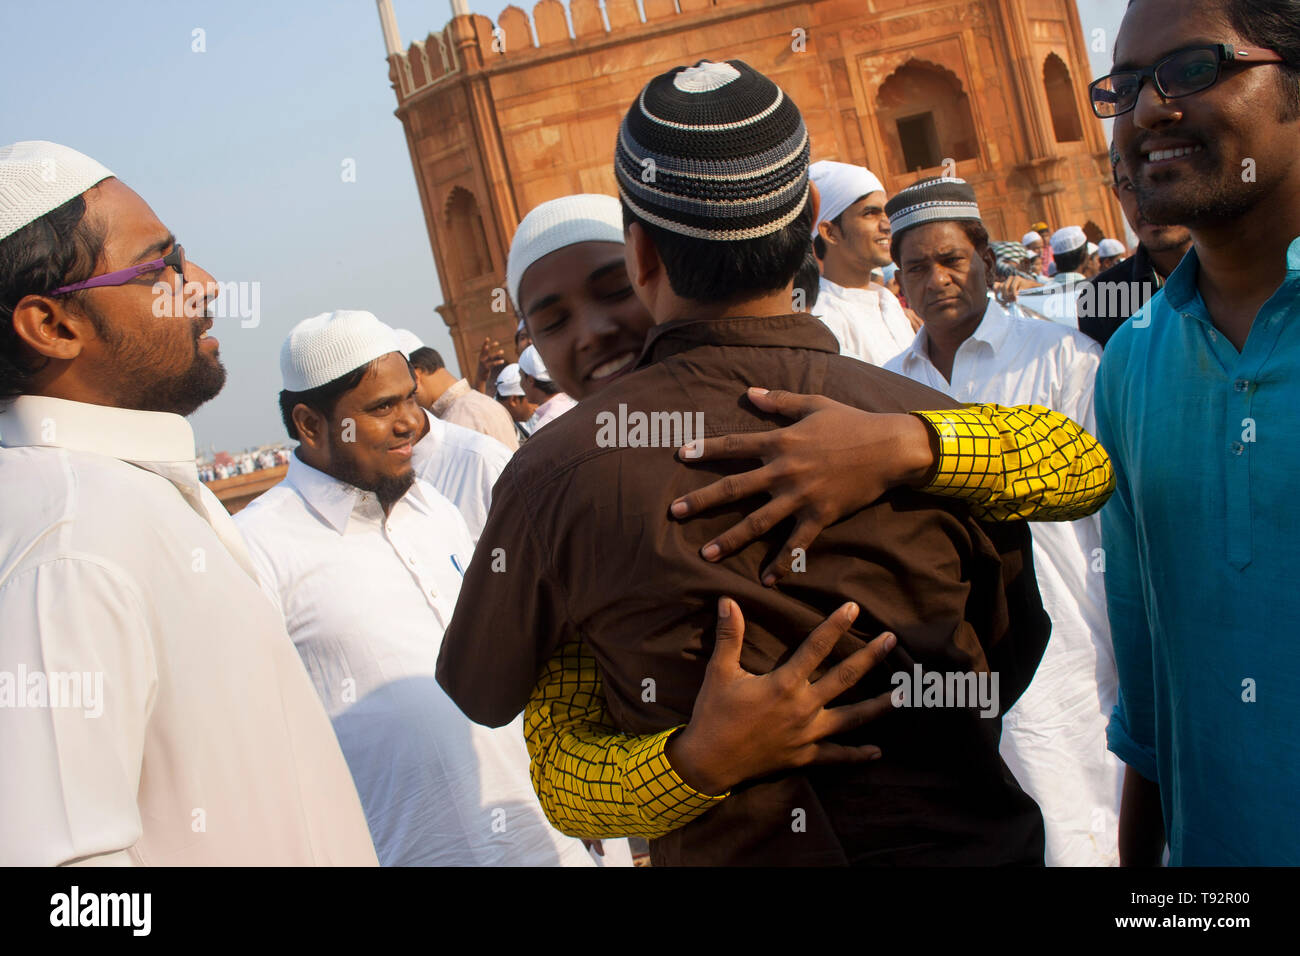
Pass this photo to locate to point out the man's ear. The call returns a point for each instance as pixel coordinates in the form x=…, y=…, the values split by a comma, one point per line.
x=313, y=428
x=830, y=235
x=990, y=265
x=641, y=257
x=50, y=330
x=814, y=199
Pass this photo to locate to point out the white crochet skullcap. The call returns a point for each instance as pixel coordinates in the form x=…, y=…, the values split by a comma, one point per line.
x=530, y=361
x=1110, y=247
x=1068, y=239
x=587, y=217
x=329, y=345
x=37, y=177
x=840, y=185
x=407, y=341
x=508, y=381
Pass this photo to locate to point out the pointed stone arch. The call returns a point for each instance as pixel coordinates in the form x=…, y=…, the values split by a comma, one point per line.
x=925, y=117
x=1061, y=101
x=466, y=244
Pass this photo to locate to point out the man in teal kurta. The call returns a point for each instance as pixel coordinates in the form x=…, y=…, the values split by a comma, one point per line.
x=1198, y=403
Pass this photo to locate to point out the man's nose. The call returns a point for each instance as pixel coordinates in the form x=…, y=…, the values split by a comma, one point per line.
x=1153, y=111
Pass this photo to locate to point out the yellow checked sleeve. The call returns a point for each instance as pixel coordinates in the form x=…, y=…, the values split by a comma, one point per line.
x=1027, y=462
x=592, y=781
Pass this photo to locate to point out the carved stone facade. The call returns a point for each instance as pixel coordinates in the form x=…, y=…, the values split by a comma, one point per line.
x=499, y=118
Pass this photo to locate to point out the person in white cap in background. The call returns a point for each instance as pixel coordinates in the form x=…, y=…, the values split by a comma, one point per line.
x=541, y=390
x=1092, y=264
x=365, y=561
x=1034, y=243
x=510, y=393
x=179, y=727
x=455, y=400
x=851, y=238
x=1109, y=253
x=461, y=463
x=1057, y=300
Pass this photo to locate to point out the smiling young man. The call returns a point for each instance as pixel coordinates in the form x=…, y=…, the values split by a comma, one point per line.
x=209, y=746
x=365, y=560
x=851, y=238
x=1197, y=407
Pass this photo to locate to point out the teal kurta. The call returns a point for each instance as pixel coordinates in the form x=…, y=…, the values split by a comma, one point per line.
x=1202, y=542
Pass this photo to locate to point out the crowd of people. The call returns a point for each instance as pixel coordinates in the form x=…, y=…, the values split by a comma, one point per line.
x=890, y=604
x=244, y=463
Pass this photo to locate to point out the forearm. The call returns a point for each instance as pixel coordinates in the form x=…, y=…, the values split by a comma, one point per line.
x=1026, y=462
x=592, y=781
x=1141, y=822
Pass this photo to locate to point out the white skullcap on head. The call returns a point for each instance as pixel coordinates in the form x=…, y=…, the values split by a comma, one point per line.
x=329, y=345
x=840, y=185
x=1093, y=248
x=1030, y=238
x=508, y=381
x=588, y=217
x=530, y=362
x=407, y=341
x=1068, y=239
x=1110, y=247
x=37, y=177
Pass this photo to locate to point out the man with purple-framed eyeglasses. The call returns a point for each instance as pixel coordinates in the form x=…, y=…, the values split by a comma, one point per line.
x=152, y=707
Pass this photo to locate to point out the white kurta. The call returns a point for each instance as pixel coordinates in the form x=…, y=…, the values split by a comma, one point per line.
x=549, y=410
x=208, y=745
x=462, y=465
x=366, y=599
x=869, y=324
x=1054, y=738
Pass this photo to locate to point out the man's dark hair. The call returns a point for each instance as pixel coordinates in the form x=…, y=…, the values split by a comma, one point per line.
x=1070, y=261
x=1274, y=25
x=548, y=388
x=57, y=249
x=808, y=279
x=819, y=244
x=323, y=398
x=709, y=271
x=974, y=230
x=427, y=360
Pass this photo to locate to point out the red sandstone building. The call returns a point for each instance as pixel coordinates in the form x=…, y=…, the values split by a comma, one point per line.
x=500, y=117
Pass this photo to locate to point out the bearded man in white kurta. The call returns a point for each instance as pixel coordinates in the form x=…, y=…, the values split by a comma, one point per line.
x=161, y=714
x=1054, y=738
x=365, y=562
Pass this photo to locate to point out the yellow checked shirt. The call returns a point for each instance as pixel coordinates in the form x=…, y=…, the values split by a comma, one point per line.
x=594, y=782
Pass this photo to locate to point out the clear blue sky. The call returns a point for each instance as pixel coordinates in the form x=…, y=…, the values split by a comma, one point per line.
x=240, y=151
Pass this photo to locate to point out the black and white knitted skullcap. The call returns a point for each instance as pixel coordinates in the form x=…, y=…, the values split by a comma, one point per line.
x=942, y=199
x=713, y=151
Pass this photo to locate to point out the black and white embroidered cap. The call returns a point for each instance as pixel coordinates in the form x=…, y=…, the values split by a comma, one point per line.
x=713, y=151
x=942, y=199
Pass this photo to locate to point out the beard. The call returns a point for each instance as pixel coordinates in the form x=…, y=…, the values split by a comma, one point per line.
x=138, y=383
x=1196, y=199
x=387, y=488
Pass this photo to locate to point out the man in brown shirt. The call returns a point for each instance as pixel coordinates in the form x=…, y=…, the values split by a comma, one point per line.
x=586, y=544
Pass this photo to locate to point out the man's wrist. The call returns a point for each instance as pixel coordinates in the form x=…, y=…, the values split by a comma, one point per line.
x=689, y=768
x=918, y=451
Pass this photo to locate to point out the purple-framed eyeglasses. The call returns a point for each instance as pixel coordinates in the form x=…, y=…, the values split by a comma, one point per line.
x=175, y=259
